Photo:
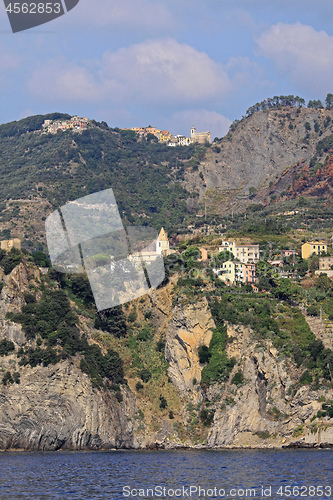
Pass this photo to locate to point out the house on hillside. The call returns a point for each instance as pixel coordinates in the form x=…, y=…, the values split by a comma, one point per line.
x=244, y=253
x=7, y=245
x=249, y=273
x=289, y=253
x=276, y=263
x=233, y=272
x=227, y=245
x=313, y=247
x=227, y=272
x=325, y=263
x=182, y=140
x=247, y=253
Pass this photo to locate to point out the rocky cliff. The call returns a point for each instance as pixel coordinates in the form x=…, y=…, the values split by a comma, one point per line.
x=267, y=409
x=190, y=328
x=56, y=406
x=256, y=153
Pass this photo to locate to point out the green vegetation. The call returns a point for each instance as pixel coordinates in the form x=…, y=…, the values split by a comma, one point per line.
x=112, y=321
x=6, y=347
x=30, y=124
x=298, y=431
x=238, y=379
x=263, y=434
x=218, y=365
x=53, y=323
x=10, y=260
x=207, y=417
x=285, y=101
x=144, y=175
x=8, y=378
x=163, y=403
x=145, y=375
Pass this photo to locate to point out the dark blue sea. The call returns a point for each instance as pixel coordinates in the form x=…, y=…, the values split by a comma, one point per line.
x=117, y=475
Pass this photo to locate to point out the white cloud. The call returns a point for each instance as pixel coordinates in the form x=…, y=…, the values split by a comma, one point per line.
x=245, y=74
x=204, y=120
x=59, y=80
x=300, y=53
x=164, y=70
x=156, y=71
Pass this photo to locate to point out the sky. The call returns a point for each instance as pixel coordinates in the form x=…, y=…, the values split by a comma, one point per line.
x=170, y=64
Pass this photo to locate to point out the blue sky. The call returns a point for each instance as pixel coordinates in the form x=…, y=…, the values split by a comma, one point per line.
x=167, y=63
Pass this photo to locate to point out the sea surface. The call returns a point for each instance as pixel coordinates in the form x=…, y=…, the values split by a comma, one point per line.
x=115, y=475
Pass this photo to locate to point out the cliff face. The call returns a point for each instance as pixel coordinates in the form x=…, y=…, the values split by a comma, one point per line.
x=190, y=328
x=265, y=405
x=257, y=152
x=56, y=406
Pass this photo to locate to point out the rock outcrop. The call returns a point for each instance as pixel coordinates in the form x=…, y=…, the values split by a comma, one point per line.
x=55, y=406
x=191, y=327
x=263, y=411
x=256, y=153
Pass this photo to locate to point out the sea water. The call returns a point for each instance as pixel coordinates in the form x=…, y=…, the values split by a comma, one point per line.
x=116, y=475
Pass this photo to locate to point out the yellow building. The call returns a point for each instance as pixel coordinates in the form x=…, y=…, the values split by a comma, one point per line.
x=7, y=245
x=311, y=247
x=227, y=272
x=162, y=244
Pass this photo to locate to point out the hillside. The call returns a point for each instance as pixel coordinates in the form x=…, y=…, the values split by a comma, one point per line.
x=191, y=364
x=254, y=154
x=40, y=172
x=196, y=362
x=258, y=161
x=312, y=180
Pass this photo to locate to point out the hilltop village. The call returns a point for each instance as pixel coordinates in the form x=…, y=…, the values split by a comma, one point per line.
x=78, y=124
x=166, y=137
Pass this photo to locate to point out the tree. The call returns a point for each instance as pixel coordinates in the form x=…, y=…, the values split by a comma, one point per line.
x=285, y=290
x=41, y=259
x=80, y=286
x=112, y=321
x=163, y=403
x=329, y=101
x=323, y=282
x=12, y=259
x=204, y=354
x=313, y=262
x=145, y=375
x=316, y=104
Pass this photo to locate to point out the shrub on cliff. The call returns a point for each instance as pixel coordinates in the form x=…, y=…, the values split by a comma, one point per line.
x=112, y=321
x=6, y=346
x=10, y=260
